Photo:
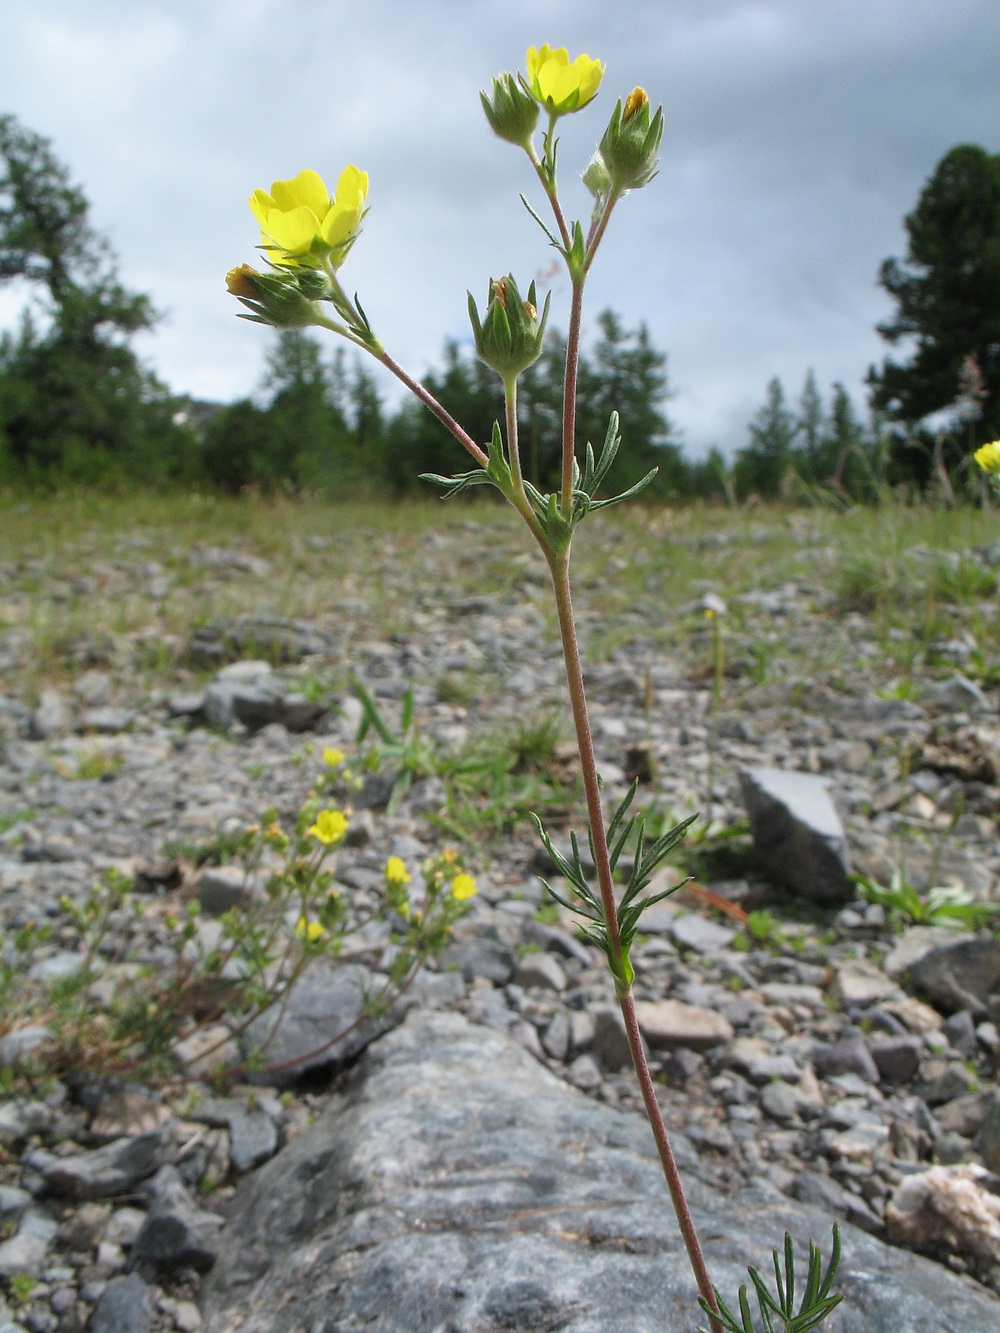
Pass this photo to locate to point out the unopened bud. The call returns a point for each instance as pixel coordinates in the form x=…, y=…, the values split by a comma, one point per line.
x=285, y=299
x=509, y=336
x=631, y=141
x=511, y=110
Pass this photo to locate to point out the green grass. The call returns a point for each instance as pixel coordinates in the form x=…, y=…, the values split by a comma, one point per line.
x=75, y=572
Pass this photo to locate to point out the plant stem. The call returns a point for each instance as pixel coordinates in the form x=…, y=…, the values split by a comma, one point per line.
x=559, y=566
x=569, y=396
x=513, y=452
x=429, y=401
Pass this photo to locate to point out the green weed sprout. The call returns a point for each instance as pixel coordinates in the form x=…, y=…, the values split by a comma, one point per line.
x=945, y=905
x=306, y=233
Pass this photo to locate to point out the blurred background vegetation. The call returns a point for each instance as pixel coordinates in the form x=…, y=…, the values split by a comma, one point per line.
x=79, y=408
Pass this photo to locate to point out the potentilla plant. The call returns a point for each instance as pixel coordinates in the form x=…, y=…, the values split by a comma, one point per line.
x=306, y=235
x=116, y=1013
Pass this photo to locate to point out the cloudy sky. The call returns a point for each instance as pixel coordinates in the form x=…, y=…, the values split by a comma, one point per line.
x=799, y=132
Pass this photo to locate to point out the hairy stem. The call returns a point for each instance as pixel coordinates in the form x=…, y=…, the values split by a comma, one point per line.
x=559, y=566
x=569, y=396
x=513, y=452
x=429, y=401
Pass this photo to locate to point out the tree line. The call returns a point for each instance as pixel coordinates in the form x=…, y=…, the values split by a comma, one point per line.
x=78, y=407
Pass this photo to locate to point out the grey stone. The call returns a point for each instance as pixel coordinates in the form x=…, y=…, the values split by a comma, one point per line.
x=701, y=934
x=449, y=1186
x=23, y=1254
x=481, y=957
x=584, y=1073
x=105, y=1172
x=17, y=1045
x=942, y=1080
x=253, y=1138
x=220, y=888
x=896, y=1058
x=257, y=701
x=13, y=1202
x=124, y=1307
x=93, y=688
x=541, y=970
x=850, y=1055
x=961, y=975
x=797, y=833
x=960, y=1029
x=610, y=1040
x=964, y=1114
x=321, y=1023
x=667, y=1024
x=988, y=1136
x=20, y=1119
x=815, y=1188
x=106, y=721
x=951, y=1148
x=780, y=1101
x=557, y=1036
x=913, y=944
x=228, y=640
x=956, y=695
x=176, y=1233
x=50, y=718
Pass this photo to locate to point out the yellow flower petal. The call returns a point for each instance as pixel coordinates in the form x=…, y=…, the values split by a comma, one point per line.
x=261, y=204
x=293, y=231
x=558, y=83
x=396, y=872
x=462, y=887
x=988, y=457
x=330, y=827
x=305, y=190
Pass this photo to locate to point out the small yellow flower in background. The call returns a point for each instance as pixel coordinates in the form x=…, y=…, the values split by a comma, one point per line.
x=333, y=757
x=396, y=871
x=988, y=457
x=560, y=85
x=449, y=854
x=330, y=827
x=310, y=931
x=463, y=886
x=301, y=223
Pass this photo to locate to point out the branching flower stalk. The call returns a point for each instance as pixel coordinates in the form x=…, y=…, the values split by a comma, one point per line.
x=306, y=234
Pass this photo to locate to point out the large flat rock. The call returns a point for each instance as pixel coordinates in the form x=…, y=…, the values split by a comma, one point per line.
x=455, y=1184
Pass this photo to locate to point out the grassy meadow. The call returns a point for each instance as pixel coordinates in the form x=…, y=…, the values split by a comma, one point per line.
x=142, y=571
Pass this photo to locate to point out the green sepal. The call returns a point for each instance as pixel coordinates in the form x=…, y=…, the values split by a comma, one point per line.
x=511, y=110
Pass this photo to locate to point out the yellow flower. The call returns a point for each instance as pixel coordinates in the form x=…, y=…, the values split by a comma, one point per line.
x=396, y=872
x=988, y=457
x=330, y=827
x=333, y=757
x=559, y=85
x=463, y=886
x=310, y=931
x=300, y=223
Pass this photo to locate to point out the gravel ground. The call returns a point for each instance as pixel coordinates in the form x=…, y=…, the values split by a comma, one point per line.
x=810, y=1055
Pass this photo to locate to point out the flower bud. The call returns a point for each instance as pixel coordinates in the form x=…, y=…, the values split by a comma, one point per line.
x=509, y=338
x=285, y=300
x=512, y=112
x=631, y=141
x=597, y=180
